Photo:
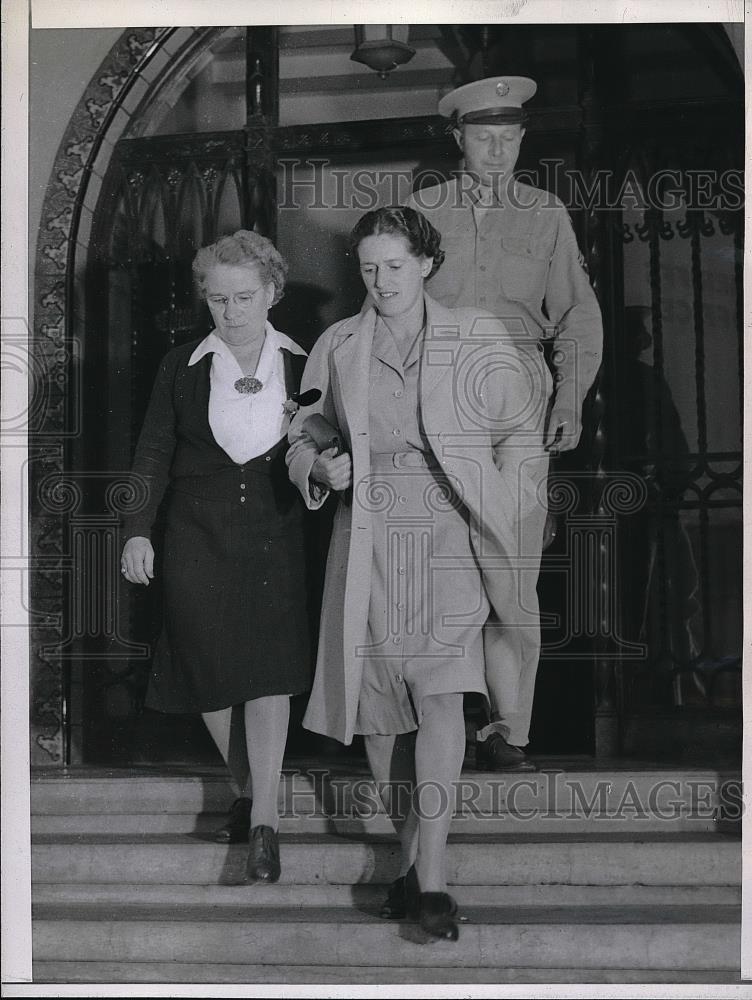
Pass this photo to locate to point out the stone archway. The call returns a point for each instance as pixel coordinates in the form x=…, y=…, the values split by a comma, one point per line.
x=133, y=64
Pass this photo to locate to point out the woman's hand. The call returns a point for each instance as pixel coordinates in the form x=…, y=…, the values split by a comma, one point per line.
x=137, y=560
x=332, y=470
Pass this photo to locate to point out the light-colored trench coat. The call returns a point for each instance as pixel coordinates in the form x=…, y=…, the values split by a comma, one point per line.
x=483, y=408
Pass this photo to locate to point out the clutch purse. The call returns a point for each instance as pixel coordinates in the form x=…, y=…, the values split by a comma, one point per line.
x=324, y=434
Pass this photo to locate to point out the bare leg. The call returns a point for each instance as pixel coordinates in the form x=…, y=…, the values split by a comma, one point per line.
x=266, y=723
x=392, y=762
x=226, y=729
x=439, y=752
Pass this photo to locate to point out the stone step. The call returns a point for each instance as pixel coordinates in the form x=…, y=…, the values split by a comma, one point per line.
x=481, y=824
x=704, y=938
x=191, y=972
x=370, y=896
x=578, y=799
x=612, y=859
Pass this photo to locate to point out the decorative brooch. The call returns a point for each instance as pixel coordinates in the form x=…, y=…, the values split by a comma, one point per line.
x=249, y=385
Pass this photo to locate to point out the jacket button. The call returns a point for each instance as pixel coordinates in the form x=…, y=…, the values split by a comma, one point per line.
x=268, y=458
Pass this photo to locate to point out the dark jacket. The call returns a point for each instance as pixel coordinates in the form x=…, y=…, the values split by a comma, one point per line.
x=176, y=442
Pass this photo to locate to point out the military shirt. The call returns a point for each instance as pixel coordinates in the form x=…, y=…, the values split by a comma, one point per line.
x=518, y=258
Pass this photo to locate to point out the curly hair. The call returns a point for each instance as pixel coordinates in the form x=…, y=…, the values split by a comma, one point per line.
x=422, y=238
x=242, y=248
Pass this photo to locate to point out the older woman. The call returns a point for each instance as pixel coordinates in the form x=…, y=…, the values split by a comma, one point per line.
x=442, y=422
x=235, y=643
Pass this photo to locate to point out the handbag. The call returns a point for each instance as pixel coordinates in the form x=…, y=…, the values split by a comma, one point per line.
x=324, y=434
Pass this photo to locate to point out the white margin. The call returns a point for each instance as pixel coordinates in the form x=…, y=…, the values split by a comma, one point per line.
x=14, y=638
x=16, y=866
x=746, y=935
x=158, y=13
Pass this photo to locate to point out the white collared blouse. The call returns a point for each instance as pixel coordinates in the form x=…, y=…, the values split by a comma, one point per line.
x=246, y=426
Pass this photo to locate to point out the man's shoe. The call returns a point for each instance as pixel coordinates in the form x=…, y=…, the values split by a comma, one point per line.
x=263, y=855
x=238, y=825
x=495, y=754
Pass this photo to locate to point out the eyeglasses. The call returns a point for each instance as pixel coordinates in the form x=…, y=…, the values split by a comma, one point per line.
x=239, y=299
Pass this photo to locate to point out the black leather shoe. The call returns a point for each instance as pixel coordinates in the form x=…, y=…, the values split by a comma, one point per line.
x=495, y=754
x=263, y=855
x=238, y=825
x=434, y=911
x=394, y=906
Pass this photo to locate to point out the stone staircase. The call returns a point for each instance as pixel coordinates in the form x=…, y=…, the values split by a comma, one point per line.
x=578, y=873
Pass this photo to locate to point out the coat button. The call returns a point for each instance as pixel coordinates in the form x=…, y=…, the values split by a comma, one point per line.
x=268, y=458
x=242, y=486
x=242, y=499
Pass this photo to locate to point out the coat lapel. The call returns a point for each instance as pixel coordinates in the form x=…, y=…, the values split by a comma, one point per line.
x=464, y=453
x=352, y=363
x=440, y=347
x=191, y=398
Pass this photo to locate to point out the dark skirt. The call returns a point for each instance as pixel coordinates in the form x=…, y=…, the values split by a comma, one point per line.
x=236, y=622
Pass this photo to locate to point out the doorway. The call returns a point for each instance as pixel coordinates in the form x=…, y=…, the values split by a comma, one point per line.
x=250, y=129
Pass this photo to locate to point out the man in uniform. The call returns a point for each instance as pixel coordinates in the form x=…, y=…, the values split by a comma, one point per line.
x=511, y=249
